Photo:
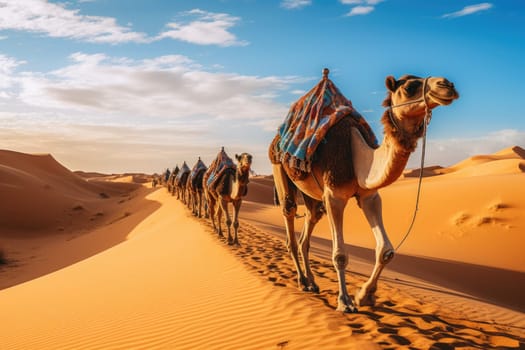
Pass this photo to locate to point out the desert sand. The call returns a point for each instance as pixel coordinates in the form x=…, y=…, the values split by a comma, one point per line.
x=93, y=261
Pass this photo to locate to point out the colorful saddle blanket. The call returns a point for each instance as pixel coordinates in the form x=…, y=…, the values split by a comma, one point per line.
x=184, y=169
x=198, y=167
x=308, y=121
x=218, y=167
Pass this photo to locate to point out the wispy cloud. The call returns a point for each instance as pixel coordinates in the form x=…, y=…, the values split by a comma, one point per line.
x=167, y=86
x=469, y=10
x=56, y=20
x=295, y=4
x=361, y=7
x=205, y=28
x=137, y=111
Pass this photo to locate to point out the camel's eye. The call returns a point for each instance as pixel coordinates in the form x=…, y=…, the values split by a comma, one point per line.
x=412, y=87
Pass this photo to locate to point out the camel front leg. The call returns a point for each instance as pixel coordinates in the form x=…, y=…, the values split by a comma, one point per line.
x=199, y=204
x=286, y=193
x=218, y=216
x=372, y=208
x=223, y=205
x=236, y=209
x=212, y=202
x=314, y=213
x=335, y=208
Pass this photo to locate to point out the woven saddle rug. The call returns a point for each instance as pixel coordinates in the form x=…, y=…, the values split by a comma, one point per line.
x=307, y=123
x=218, y=167
x=184, y=169
x=198, y=167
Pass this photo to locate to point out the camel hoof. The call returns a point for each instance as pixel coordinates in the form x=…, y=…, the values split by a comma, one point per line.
x=365, y=299
x=314, y=288
x=347, y=309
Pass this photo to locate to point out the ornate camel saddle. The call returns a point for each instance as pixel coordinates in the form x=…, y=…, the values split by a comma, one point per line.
x=308, y=121
x=221, y=164
x=198, y=167
x=184, y=169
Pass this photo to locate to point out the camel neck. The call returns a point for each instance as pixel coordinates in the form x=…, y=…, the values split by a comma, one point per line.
x=376, y=168
x=240, y=183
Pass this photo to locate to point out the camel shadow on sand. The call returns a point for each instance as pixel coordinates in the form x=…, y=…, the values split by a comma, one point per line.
x=397, y=320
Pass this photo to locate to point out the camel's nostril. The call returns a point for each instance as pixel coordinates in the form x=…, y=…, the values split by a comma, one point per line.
x=445, y=83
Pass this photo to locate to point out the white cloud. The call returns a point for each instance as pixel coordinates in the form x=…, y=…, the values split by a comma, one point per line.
x=7, y=66
x=56, y=20
x=360, y=10
x=295, y=4
x=206, y=28
x=171, y=87
x=360, y=2
x=363, y=7
x=468, y=10
x=139, y=112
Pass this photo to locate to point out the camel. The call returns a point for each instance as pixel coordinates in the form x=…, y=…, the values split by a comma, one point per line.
x=171, y=180
x=180, y=182
x=224, y=182
x=348, y=163
x=195, y=187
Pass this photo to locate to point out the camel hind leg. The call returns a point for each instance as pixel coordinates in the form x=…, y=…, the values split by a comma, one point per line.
x=287, y=195
x=314, y=212
x=371, y=206
x=335, y=207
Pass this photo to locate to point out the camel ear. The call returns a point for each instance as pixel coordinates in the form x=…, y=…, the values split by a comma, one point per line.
x=237, y=157
x=390, y=83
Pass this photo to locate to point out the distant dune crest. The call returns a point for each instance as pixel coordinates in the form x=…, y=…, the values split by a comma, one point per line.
x=506, y=161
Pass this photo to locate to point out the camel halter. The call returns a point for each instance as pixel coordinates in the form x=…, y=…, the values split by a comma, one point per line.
x=426, y=121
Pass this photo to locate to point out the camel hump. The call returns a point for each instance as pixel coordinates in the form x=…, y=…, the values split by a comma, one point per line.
x=308, y=121
x=221, y=164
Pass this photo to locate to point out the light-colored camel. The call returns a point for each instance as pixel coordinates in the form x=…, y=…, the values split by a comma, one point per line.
x=225, y=182
x=345, y=166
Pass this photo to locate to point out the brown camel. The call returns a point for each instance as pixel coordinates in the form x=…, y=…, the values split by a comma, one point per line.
x=195, y=187
x=171, y=180
x=224, y=182
x=180, y=182
x=348, y=164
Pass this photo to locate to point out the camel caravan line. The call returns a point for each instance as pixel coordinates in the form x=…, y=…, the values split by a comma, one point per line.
x=211, y=189
x=326, y=152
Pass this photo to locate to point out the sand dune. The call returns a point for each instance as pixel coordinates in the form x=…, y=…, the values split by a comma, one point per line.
x=110, y=263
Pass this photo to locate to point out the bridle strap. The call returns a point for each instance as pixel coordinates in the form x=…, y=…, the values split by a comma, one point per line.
x=428, y=111
x=426, y=121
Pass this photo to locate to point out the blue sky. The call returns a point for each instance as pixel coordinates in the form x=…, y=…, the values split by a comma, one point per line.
x=118, y=86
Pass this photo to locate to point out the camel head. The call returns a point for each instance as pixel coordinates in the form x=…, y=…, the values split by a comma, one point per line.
x=410, y=96
x=245, y=161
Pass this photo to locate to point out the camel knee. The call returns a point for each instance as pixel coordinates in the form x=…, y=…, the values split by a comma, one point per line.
x=228, y=222
x=386, y=256
x=235, y=224
x=340, y=260
x=318, y=212
x=290, y=207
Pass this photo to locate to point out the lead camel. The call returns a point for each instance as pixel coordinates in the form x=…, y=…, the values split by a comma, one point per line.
x=346, y=162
